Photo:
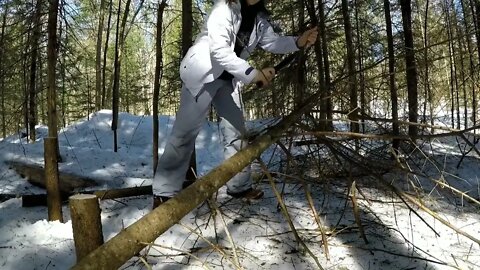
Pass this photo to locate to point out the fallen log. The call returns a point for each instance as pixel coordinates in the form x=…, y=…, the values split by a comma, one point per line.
x=130, y=241
x=35, y=174
x=32, y=200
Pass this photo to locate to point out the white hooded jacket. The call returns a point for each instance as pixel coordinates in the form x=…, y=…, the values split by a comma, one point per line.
x=213, y=50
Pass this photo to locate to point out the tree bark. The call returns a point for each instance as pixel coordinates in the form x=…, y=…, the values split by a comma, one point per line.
x=32, y=93
x=32, y=200
x=2, y=72
x=299, y=79
x=352, y=78
x=473, y=74
x=319, y=57
x=104, y=86
x=187, y=22
x=158, y=78
x=391, y=74
x=86, y=224
x=54, y=200
x=98, y=57
x=119, y=44
x=52, y=61
x=411, y=68
x=36, y=176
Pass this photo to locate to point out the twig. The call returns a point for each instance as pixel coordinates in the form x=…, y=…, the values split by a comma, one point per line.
x=229, y=236
x=356, y=213
x=215, y=247
x=182, y=253
x=287, y=215
x=310, y=202
x=437, y=217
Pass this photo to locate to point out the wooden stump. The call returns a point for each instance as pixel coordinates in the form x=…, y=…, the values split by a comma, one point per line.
x=54, y=200
x=86, y=224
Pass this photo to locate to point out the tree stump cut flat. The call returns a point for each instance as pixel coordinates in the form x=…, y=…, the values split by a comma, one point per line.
x=86, y=223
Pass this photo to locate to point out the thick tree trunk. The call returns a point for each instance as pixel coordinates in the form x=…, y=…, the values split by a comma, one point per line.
x=157, y=80
x=115, y=252
x=54, y=200
x=32, y=200
x=98, y=57
x=86, y=224
x=391, y=73
x=411, y=68
x=35, y=174
x=51, y=64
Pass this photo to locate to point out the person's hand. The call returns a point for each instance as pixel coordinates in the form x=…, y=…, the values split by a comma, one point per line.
x=264, y=77
x=307, y=38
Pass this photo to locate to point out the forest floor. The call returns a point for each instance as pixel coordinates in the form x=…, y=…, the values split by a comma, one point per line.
x=397, y=236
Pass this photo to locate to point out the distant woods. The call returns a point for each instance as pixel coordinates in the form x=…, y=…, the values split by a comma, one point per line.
x=416, y=61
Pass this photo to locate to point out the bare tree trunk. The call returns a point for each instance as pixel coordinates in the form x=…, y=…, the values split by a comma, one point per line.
x=54, y=199
x=300, y=71
x=411, y=68
x=391, y=73
x=2, y=72
x=51, y=145
x=104, y=86
x=51, y=66
x=319, y=55
x=363, y=99
x=352, y=78
x=476, y=24
x=25, y=83
x=473, y=74
x=327, y=103
x=462, y=48
x=187, y=23
x=32, y=95
x=158, y=78
x=98, y=57
x=426, y=81
x=454, y=87
x=120, y=38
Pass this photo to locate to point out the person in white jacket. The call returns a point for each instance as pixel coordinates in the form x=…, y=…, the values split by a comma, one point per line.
x=212, y=72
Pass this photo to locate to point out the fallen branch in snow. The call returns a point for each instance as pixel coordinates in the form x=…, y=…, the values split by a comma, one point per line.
x=35, y=174
x=404, y=196
x=32, y=200
x=285, y=213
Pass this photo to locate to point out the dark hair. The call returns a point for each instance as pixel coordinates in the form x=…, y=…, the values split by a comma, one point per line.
x=257, y=8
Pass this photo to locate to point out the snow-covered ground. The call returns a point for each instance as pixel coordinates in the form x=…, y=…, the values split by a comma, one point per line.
x=397, y=238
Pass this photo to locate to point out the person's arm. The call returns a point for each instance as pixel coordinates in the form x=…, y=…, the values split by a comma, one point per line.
x=221, y=35
x=271, y=41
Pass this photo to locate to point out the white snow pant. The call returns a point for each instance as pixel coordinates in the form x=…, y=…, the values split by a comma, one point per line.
x=191, y=116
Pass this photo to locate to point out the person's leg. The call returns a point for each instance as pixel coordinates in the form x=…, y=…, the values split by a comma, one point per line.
x=229, y=107
x=174, y=162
